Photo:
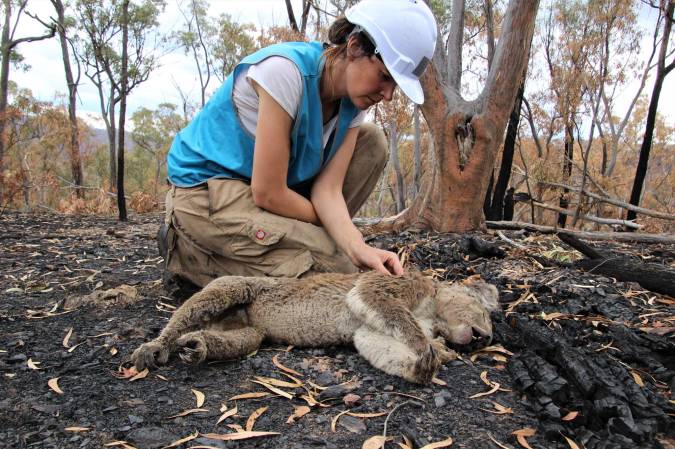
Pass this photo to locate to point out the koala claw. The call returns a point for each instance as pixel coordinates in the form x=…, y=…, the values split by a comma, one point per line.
x=149, y=355
x=192, y=349
x=426, y=366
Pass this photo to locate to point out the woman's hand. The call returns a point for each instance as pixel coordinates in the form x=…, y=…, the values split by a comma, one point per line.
x=376, y=259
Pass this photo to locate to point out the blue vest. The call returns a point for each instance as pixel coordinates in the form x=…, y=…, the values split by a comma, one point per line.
x=216, y=145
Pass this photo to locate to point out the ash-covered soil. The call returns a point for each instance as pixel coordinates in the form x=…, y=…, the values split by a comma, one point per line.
x=578, y=358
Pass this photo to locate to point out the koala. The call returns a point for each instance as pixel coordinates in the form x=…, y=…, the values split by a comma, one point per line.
x=399, y=324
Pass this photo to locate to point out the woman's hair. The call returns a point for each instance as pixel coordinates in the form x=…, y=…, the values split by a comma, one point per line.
x=338, y=36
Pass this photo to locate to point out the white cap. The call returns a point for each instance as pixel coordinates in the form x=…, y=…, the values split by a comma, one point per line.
x=404, y=34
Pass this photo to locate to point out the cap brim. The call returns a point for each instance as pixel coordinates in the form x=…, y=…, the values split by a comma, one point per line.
x=410, y=86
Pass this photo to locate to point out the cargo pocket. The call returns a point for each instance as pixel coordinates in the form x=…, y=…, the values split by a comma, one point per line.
x=261, y=234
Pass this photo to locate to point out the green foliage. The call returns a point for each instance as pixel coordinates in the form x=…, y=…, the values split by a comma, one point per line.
x=234, y=41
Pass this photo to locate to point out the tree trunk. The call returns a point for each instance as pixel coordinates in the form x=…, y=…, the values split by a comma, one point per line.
x=74, y=141
x=5, y=50
x=111, y=139
x=399, y=196
x=661, y=72
x=567, y=171
x=121, y=202
x=417, y=152
x=467, y=135
x=496, y=210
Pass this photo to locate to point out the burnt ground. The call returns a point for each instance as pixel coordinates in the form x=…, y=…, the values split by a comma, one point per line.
x=581, y=360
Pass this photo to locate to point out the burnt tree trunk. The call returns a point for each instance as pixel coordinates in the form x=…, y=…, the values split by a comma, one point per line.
x=124, y=82
x=661, y=72
x=466, y=135
x=567, y=171
x=496, y=209
x=74, y=140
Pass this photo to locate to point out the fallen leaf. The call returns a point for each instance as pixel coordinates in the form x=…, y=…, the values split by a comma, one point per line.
x=33, y=365
x=140, y=375
x=250, y=422
x=124, y=444
x=521, y=435
x=125, y=373
x=253, y=395
x=570, y=416
x=278, y=364
x=571, y=442
x=236, y=427
x=67, y=337
x=637, y=379
x=162, y=377
x=444, y=443
x=227, y=414
x=274, y=389
x=366, y=415
x=438, y=381
x=375, y=442
x=72, y=348
x=54, y=385
x=188, y=412
x=14, y=290
x=298, y=413
x=278, y=383
x=113, y=351
x=200, y=397
x=499, y=409
x=182, y=440
x=333, y=422
x=238, y=435
x=497, y=442
x=407, y=444
x=485, y=393
x=76, y=429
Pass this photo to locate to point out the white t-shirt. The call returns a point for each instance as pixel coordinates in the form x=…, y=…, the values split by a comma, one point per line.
x=280, y=78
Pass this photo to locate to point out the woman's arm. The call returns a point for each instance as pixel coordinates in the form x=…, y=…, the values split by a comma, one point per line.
x=330, y=206
x=270, y=163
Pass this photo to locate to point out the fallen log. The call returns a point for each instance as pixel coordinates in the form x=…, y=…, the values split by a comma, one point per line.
x=586, y=235
x=653, y=277
x=593, y=218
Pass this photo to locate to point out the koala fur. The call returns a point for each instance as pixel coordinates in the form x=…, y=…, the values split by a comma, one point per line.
x=392, y=321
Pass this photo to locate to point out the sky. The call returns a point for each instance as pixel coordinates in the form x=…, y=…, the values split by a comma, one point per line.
x=46, y=79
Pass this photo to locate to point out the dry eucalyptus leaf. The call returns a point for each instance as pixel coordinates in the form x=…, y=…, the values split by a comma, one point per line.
x=637, y=379
x=182, y=440
x=236, y=427
x=445, y=443
x=298, y=413
x=124, y=444
x=200, y=397
x=250, y=422
x=521, y=435
x=375, y=442
x=76, y=429
x=570, y=416
x=253, y=395
x=227, y=414
x=238, y=435
x=54, y=385
x=67, y=337
x=333, y=422
x=274, y=389
x=279, y=365
x=33, y=365
x=188, y=412
x=571, y=442
x=140, y=375
x=278, y=383
x=503, y=446
x=438, y=381
x=485, y=393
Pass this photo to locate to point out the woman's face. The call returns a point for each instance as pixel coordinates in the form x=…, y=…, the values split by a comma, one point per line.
x=368, y=82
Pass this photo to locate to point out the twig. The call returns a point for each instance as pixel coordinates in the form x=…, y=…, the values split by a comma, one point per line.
x=386, y=420
x=509, y=241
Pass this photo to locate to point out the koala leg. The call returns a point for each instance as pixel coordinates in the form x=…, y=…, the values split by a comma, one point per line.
x=396, y=358
x=197, y=346
x=202, y=308
x=387, y=315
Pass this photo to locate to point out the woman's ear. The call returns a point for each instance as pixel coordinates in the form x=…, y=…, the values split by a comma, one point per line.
x=354, y=49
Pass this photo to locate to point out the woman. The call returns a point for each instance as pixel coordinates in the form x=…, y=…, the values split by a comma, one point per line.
x=267, y=176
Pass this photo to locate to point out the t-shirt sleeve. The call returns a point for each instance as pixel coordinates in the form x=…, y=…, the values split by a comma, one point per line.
x=358, y=120
x=281, y=79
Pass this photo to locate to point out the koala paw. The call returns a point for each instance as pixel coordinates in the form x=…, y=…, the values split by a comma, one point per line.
x=426, y=366
x=149, y=355
x=445, y=354
x=192, y=348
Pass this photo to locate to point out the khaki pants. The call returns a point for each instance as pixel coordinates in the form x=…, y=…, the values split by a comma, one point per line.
x=215, y=229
